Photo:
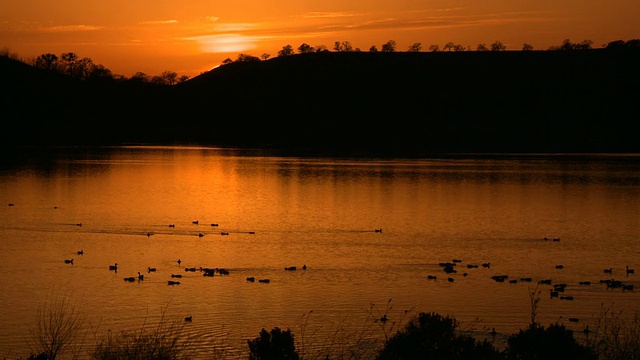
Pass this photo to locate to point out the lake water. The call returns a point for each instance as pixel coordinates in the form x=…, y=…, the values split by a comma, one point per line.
x=282, y=211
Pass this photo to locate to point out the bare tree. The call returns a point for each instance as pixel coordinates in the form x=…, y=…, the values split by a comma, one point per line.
x=58, y=328
x=169, y=77
x=498, y=46
x=247, y=58
x=68, y=63
x=158, y=80
x=47, y=61
x=389, y=46
x=434, y=48
x=84, y=67
x=416, y=47
x=344, y=46
x=265, y=56
x=141, y=77
x=527, y=47
x=99, y=71
x=482, y=47
x=584, y=45
x=448, y=46
x=286, y=51
x=305, y=48
x=4, y=52
x=373, y=48
x=321, y=48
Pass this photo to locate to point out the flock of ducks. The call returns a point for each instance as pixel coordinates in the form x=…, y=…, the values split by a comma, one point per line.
x=450, y=267
x=205, y=272
x=557, y=290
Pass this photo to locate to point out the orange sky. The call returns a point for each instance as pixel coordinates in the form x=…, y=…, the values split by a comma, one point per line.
x=192, y=36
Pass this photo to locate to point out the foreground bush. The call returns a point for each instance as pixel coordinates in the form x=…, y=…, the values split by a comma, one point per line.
x=164, y=342
x=432, y=336
x=425, y=336
x=553, y=342
x=275, y=345
x=614, y=336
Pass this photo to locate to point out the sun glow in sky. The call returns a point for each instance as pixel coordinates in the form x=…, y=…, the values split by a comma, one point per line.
x=193, y=36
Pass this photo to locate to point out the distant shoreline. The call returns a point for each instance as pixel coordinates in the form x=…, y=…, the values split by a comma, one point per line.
x=579, y=101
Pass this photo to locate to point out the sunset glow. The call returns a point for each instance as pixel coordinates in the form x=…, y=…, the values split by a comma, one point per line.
x=189, y=38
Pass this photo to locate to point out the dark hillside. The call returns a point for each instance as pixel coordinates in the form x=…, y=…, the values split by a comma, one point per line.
x=472, y=101
x=385, y=103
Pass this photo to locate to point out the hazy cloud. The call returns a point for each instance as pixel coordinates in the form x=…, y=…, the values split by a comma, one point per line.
x=71, y=28
x=238, y=37
x=325, y=15
x=158, y=22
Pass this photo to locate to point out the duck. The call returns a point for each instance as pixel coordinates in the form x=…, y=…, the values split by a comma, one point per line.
x=151, y=269
x=179, y=261
x=171, y=282
x=172, y=225
x=69, y=261
x=195, y=222
x=630, y=271
x=608, y=271
x=140, y=276
x=188, y=318
x=208, y=272
x=378, y=230
x=80, y=252
x=113, y=267
x=130, y=279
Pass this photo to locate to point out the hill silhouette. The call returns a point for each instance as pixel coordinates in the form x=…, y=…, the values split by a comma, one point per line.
x=349, y=103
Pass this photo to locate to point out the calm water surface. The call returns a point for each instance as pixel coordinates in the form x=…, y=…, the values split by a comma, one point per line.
x=319, y=212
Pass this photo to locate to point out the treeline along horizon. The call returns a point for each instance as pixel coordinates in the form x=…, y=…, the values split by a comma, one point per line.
x=335, y=102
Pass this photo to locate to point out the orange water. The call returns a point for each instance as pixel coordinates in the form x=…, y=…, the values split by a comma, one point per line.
x=320, y=212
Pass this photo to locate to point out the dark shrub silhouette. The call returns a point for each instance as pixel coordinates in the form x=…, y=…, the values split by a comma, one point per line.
x=275, y=345
x=432, y=336
x=553, y=342
x=41, y=356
